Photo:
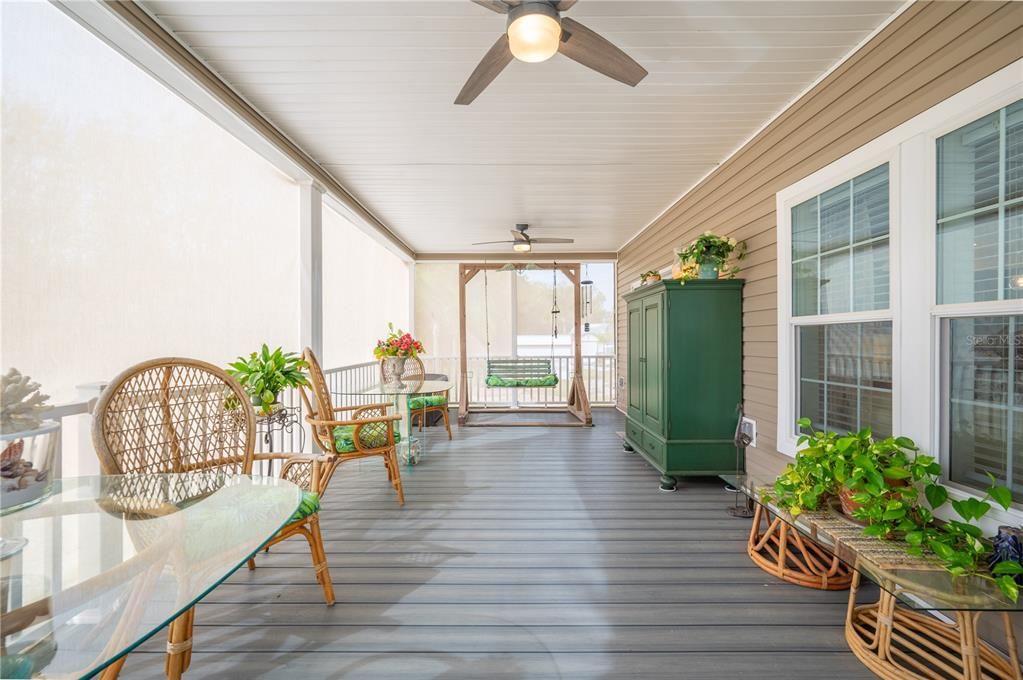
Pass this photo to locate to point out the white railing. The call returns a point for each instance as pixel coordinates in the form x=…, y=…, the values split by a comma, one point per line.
x=77, y=457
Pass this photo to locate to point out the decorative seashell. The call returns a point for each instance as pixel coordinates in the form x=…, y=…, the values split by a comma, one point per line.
x=13, y=451
x=21, y=402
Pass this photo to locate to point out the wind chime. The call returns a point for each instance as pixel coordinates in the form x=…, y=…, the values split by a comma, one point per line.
x=587, y=299
x=554, y=310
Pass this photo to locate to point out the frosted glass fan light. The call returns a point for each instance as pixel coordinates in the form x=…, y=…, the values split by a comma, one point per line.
x=534, y=31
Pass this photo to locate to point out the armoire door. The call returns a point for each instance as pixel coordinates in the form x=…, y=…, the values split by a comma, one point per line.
x=634, y=407
x=653, y=369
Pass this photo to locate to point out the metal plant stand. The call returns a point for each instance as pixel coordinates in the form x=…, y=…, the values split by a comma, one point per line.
x=282, y=420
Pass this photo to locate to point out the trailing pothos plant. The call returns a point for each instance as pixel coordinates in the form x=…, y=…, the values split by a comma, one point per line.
x=885, y=479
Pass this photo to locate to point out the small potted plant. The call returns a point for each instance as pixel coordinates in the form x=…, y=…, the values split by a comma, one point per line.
x=649, y=276
x=710, y=253
x=265, y=374
x=392, y=352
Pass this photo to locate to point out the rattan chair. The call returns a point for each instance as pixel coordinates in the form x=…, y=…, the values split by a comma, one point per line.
x=421, y=405
x=364, y=432
x=177, y=415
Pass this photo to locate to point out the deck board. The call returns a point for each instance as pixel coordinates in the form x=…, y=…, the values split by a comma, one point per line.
x=520, y=553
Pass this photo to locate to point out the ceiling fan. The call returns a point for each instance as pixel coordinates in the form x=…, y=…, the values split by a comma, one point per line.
x=522, y=242
x=536, y=31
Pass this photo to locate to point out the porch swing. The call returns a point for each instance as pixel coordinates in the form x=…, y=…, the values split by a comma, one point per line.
x=520, y=371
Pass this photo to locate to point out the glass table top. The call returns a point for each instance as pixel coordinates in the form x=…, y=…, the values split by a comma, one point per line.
x=918, y=583
x=409, y=387
x=100, y=564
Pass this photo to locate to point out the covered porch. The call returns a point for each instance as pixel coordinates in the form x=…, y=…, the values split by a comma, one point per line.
x=693, y=349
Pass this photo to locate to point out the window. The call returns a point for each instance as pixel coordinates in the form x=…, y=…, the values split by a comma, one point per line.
x=913, y=325
x=979, y=230
x=980, y=209
x=840, y=269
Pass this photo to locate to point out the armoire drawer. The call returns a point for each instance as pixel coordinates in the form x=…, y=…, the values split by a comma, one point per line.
x=634, y=433
x=655, y=448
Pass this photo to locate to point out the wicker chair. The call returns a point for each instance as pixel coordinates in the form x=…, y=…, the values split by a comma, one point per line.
x=421, y=405
x=183, y=415
x=366, y=432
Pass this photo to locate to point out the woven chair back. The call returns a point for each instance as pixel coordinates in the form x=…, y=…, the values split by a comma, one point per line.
x=320, y=406
x=174, y=415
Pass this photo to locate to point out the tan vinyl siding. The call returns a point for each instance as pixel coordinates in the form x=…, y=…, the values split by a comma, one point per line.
x=928, y=53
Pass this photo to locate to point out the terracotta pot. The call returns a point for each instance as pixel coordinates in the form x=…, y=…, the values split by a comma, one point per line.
x=846, y=496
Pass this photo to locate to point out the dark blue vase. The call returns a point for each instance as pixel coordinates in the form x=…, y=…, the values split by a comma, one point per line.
x=1008, y=547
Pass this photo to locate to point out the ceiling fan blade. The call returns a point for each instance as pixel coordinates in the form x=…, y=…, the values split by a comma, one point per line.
x=493, y=5
x=564, y=5
x=552, y=240
x=492, y=63
x=490, y=243
x=596, y=52
x=519, y=235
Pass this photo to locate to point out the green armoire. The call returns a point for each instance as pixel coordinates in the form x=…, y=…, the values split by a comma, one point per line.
x=684, y=376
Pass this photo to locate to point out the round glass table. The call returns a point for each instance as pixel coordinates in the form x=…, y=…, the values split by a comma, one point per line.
x=410, y=449
x=102, y=563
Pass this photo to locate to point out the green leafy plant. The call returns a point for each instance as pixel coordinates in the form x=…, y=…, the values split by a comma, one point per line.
x=709, y=248
x=265, y=374
x=885, y=479
x=651, y=275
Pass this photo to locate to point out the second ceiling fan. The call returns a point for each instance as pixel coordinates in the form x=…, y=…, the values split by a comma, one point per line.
x=523, y=242
x=536, y=32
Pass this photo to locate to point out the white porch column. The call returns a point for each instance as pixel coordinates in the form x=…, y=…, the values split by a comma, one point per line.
x=311, y=269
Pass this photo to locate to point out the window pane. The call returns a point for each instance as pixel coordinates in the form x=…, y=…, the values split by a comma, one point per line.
x=855, y=391
x=811, y=402
x=870, y=204
x=983, y=399
x=811, y=352
x=968, y=259
x=1014, y=252
x=835, y=280
x=876, y=349
x=876, y=411
x=870, y=276
x=843, y=352
x=804, y=229
x=804, y=288
x=1014, y=151
x=968, y=167
x=842, y=413
x=835, y=218
x=980, y=187
x=852, y=256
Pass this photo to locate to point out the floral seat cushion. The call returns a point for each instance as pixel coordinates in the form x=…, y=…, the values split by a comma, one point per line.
x=371, y=438
x=427, y=400
x=310, y=505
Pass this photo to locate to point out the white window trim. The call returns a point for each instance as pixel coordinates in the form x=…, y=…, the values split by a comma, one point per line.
x=916, y=316
x=828, y=178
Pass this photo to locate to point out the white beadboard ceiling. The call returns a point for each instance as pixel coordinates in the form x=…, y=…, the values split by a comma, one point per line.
x=366, y=88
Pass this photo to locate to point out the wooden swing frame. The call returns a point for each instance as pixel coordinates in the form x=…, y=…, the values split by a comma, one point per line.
x=578, y=401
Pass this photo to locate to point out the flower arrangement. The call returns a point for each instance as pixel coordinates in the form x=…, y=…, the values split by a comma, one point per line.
x=398, y=343
x=652, y=275
x=713, y=250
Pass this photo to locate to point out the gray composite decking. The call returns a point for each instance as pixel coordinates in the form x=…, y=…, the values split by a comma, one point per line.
x=520, y=553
